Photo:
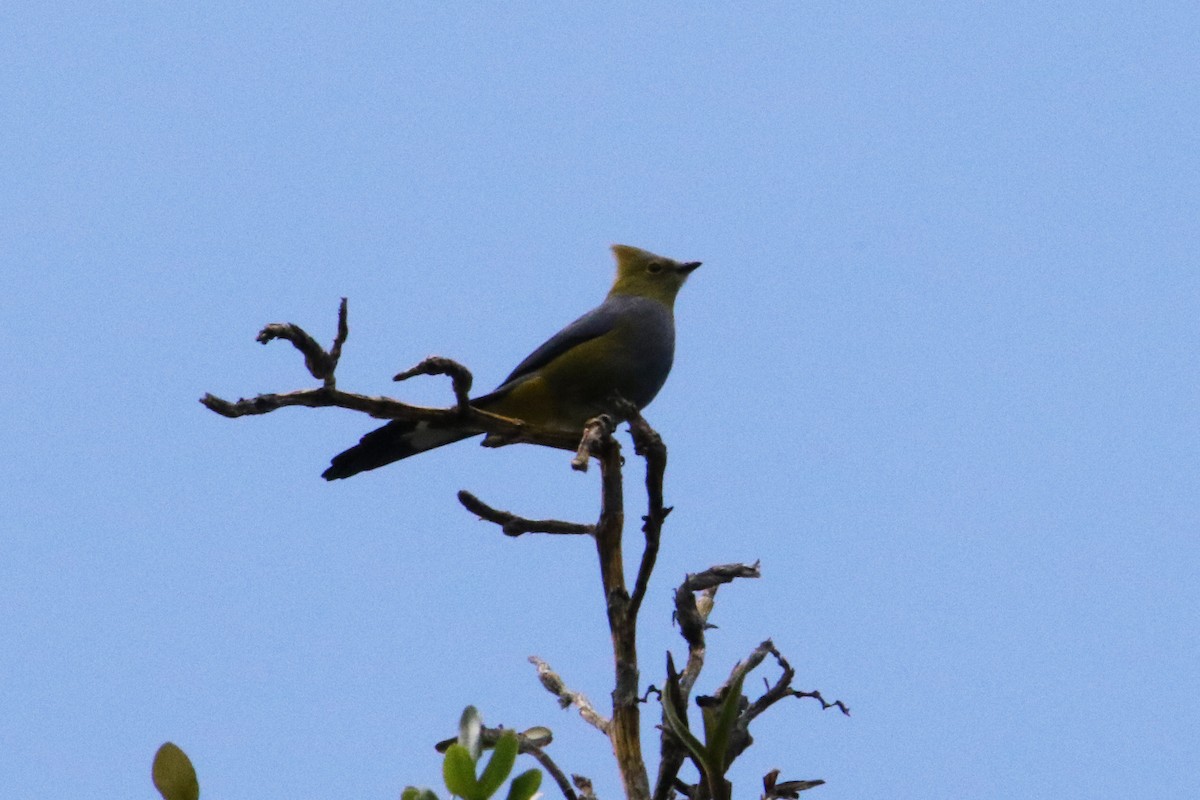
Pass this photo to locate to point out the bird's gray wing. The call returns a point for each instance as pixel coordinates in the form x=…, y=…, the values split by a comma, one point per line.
x=597, y=322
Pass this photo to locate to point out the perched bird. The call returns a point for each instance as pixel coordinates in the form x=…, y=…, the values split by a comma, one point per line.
x=623, y=347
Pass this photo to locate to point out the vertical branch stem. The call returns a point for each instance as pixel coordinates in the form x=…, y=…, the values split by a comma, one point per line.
x=625, y=728
x=648, y=444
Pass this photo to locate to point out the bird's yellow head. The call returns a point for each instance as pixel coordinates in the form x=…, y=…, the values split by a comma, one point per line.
x=642, y=274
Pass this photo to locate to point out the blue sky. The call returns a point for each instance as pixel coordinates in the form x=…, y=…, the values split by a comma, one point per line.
x=938, y=372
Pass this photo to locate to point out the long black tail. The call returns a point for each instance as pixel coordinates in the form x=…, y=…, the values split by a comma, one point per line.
x=394, y=441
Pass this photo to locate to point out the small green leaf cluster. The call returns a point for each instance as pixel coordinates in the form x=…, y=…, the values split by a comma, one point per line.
x=460, y=767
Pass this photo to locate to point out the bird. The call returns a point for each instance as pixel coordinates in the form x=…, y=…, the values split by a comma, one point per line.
x=623, y=348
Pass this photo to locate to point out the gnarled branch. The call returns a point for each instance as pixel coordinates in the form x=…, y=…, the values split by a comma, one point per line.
x=555, y=685
x=322, y=364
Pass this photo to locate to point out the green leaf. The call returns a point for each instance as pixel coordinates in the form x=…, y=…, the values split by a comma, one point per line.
x=670, y=701
x=718, y=744
x=525, y=785
x=709, y=714
x=499, y=765
x=469, y=727
x=173, y=774
x=413, y=793
x=458, y=770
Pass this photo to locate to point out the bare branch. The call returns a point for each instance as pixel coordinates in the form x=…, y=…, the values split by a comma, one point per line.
x=741, y=739
x=743, y=668
x=722, y=573
x=692, y=614
x=774, y=789
x=595, y=432
x=501, y=430
x=584, y=786
x=548, y=764
x=460, y=377
x=512, y=525
x=335, y=352
x=649, y=445
x=625, y=732
x=321, y=365
x=825, y=706
x=378, y=407
x=782, y=687
x=566, y=697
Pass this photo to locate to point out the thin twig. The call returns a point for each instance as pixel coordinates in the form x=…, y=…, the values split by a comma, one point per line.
x=460, y=378
x=343, y=333
x=774, y=789
x=584, y=785
x=321, y=364
x=746, y=666
x=782, y=687
x=567, y=698
x=741, y=739
x=595, y=432
x=648, y=444
x=722, y=573
x=512, y=525
x=548, y=764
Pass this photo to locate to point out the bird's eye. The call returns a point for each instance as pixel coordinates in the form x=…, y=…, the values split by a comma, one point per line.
x=654, y=267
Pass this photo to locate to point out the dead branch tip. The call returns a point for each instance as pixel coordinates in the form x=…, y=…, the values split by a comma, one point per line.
x=512, y=525
x=460, y=377
x=597, y=432
x=320, y=364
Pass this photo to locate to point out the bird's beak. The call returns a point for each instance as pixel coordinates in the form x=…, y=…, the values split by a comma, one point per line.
x=686, y=269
